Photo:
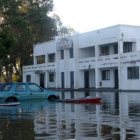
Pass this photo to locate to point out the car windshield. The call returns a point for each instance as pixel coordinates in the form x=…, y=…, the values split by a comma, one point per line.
x=6, y=87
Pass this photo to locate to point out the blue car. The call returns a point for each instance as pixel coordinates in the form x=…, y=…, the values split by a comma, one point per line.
x=14, y=92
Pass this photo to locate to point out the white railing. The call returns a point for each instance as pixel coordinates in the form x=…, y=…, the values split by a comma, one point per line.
x=86, y=63
x=45, y=66
x=108, y=61
x=130, y=57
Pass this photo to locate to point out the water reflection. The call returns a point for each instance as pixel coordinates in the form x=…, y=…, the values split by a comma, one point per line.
x=118, y=117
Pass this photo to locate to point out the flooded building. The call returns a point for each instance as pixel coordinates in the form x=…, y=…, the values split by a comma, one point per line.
x=105, y=58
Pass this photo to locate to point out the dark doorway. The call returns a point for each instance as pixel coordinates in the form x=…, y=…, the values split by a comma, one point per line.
x=116, y=78
x=86, y=77
x=42, y=80
x=62, y=80
x=72, y=79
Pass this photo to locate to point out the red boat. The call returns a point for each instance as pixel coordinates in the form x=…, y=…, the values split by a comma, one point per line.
x=82, y=100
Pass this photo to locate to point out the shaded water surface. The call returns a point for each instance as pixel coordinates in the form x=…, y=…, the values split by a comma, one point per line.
x=117, y=118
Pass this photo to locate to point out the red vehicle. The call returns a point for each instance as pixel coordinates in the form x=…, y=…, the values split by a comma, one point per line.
x=82, y=100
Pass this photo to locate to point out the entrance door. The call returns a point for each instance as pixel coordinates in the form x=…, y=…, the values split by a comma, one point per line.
x=72, y=79
x=86, y=77
x=116, y=78
x=62, y=80
x=42, y=80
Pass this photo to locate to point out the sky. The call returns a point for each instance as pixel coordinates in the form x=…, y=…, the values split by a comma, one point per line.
x=88, y=15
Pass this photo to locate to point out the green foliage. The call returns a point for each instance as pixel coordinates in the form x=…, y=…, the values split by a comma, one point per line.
x=24, y=23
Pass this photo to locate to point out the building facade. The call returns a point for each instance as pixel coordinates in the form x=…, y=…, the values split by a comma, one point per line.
x=105, y=58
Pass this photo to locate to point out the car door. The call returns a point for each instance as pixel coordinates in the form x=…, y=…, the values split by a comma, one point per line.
x=35, y=92
x=21, y=91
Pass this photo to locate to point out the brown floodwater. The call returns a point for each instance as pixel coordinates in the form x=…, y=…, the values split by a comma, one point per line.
x=117, y=118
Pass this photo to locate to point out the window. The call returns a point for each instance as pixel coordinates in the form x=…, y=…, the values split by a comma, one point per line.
x=62, y=54
x=71, y=52
x=133, y=72
x=115, y=48
x=105, y=75
x=28, y=78
x=40, y=59
x=20, y=88
x=105, y=50
x=51, y=57
x=34, y=87
x=51, y=77
x=7, y=87
x=127, y=47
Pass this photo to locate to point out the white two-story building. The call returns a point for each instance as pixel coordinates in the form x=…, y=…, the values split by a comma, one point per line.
x=105, y=58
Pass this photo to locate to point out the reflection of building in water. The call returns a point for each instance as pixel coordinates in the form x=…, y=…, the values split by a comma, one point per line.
x=105, y=58
x=117, y=117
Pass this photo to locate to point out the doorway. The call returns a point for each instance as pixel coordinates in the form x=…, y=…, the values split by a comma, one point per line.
x=62, y=80
x=72, y=79
x=116, y=79
x=86, y=77
x=42, y=80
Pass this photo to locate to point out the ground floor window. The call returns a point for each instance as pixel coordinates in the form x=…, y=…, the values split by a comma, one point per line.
x=51, y=77
x=106, y=75
x=28, y=78
x=133, y=72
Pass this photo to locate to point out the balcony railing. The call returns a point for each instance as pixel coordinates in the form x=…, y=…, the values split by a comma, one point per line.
x=108, y=61
x=87, y=63
x=130, y=57
x=48, y=66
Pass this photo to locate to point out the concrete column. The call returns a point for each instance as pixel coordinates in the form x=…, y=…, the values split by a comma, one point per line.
x=57, y=60
x=66, y=66
x=120, y=46
x=76, y=58
x=46, y=58
x=97, y=70
x=138, y=45
x=34, y=60
x=46, y=79
x=97, y=77
x=97, y=51
x=120, y=51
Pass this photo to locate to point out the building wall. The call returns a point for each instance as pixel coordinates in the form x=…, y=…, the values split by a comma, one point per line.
x=87, y=59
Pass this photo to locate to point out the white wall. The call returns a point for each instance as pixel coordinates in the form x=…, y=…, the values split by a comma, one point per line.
x=81, y=44
x=128, y=84
x=109, y=83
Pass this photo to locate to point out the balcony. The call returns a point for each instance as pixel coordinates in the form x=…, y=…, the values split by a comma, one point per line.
x=42, y=67
x=108, y=61
x=86, y=63
x=131, y=57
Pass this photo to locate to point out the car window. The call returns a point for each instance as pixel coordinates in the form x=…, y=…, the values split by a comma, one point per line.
x=34, y=87
x=20, y=88
x=1, y=87
x=6, y=87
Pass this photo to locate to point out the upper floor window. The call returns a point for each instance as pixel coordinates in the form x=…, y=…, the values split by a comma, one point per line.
x=41, y=59
x=133, y=72
x=115, y=45
x=127, y=47
x=105, y=75
x=62, y=54
x=51, y=57
x=105, y=50
x=71, y=52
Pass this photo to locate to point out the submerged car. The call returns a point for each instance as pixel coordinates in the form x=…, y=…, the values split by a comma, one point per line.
x=14, y=92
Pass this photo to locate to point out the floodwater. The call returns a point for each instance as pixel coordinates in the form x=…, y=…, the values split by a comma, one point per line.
x=117, y=118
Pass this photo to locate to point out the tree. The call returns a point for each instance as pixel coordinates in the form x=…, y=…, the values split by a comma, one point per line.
x=7, y=43
x=62, y=30
x=28, y=23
